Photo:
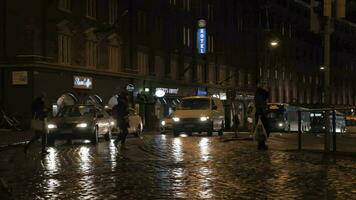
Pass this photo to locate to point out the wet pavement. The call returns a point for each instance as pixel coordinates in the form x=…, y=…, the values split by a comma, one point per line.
x=163, y=167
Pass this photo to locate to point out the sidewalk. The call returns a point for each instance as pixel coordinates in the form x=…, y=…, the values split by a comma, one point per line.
x=345, y=143
x=12, y=138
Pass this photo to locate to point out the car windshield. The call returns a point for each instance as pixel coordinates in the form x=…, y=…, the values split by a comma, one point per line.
x=194, y=104
x=77, y=111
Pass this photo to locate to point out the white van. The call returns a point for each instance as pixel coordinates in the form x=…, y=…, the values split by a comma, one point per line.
x=199, y=114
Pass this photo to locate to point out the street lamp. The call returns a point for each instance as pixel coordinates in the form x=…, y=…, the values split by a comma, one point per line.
x=274, y=43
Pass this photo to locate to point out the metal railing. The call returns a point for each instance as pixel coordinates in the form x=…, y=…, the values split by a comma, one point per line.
x=330, y=134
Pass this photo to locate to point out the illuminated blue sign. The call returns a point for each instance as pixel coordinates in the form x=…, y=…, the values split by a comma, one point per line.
x=201, y=35
x=202, y=92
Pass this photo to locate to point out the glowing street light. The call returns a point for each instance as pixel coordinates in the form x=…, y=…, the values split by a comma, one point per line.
x=274, y=43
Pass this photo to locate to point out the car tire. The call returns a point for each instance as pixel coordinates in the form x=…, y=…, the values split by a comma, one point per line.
x=138, y=131
x=94, y=139
x=107, y=136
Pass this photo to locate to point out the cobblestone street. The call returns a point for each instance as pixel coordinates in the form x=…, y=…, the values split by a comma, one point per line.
x=164, y=167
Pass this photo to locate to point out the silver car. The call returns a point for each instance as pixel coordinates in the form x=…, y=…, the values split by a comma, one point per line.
x=80, y=122
x=166, y=124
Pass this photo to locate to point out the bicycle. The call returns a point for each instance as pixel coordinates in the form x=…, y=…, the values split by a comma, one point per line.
x=8, y=122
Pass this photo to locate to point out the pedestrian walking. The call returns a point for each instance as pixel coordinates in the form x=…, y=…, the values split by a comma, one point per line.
x=39, y=114
x=261, y=97
x=122, y=116
x=236, y=121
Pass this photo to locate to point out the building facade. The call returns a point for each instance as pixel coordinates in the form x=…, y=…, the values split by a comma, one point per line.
x=152, y=45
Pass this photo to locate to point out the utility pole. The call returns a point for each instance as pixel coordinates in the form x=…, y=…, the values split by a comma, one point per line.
x=322, y=15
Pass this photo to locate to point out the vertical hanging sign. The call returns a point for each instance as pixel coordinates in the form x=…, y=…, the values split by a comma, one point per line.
x=201, y=36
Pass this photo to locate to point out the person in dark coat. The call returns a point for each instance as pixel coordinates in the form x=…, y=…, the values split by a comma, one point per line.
x=39, y=111
x=261, y=97
x=122, y=116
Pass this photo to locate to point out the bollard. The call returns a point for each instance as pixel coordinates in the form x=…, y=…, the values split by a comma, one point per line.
x=334, y=131
x=327, y=131
x=299, y=130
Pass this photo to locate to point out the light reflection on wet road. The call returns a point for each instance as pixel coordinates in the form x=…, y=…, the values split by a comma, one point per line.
x=163, y=167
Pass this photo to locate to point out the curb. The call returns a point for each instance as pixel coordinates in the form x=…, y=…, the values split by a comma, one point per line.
x=9, y=146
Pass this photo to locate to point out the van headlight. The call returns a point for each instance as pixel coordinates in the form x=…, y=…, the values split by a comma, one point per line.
x=51, y=126
x=112, y=123
x=203, y=119
x=163, y=123
x=82, y=125
x=280, y=124
x=176, y=119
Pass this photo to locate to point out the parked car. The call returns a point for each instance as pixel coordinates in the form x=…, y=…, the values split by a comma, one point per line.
x=80, y=122
x=135, y=122
x=166, y=124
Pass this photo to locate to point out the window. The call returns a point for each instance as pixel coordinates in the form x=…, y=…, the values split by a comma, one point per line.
x=200, y=73
x=64, y=49
x=249, y=79
x=186, y=5
x=141, y=21
x=91, y=8
x=91, y=53
x=65, y=5
x=276, y=74
x=283, y=75
x=159, y=66
x=112, y=11
x=210, y=44
x=212, y=73
x=114, y=58
x=186, y=36
x=210, y=12
x=173, y=2
x=174, y=68
x=142, y=59
x=241, y=79
x=240, y=24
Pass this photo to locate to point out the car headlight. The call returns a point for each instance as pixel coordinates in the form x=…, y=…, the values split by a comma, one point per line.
x=203, y=119
x=51, y=126
x=163, y=123
x=280, y=124
x=176, y=119
x=112, y=123
x=82, y=125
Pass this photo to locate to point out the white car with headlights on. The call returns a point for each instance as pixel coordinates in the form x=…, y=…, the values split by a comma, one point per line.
x=87, y=122
x=199, y=114
x=166, y=124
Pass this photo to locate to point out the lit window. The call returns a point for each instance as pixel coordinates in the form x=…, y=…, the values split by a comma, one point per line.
x=64, y=49
x=91, y=8
x=64, y=5
x=112, y=11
